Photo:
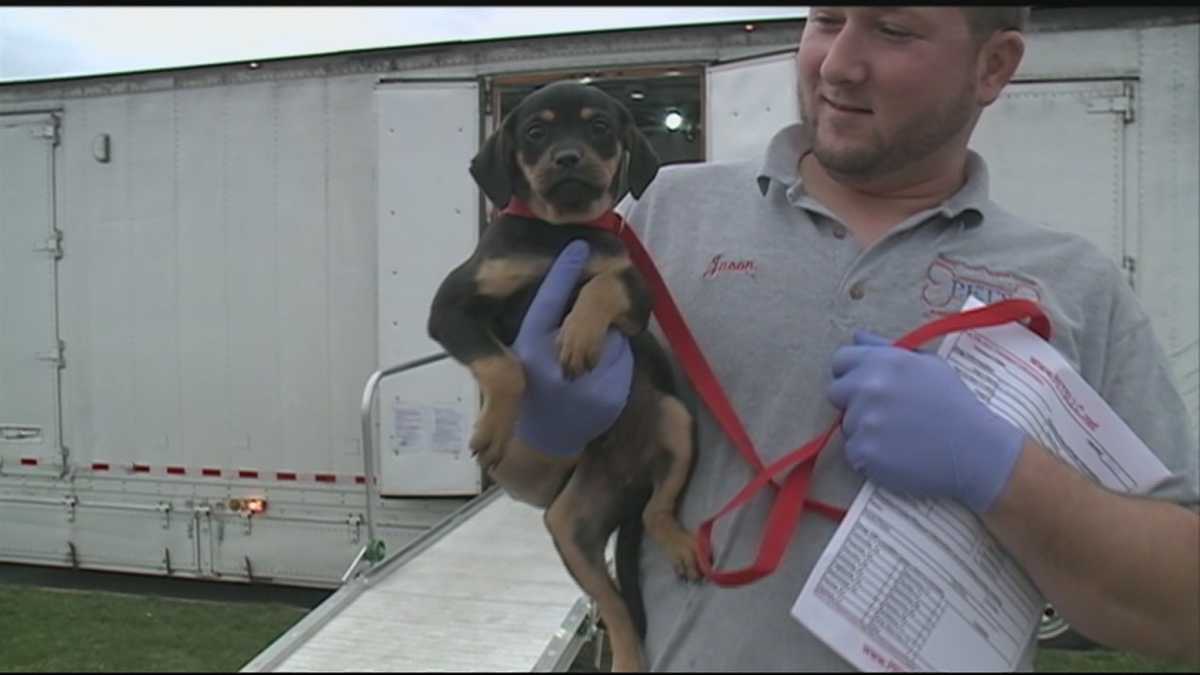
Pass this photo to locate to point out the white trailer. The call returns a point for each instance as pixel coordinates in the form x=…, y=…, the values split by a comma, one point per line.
x=201, y=267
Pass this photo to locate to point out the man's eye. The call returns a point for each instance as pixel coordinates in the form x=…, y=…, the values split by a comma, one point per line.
x=894, y=32
x=535, y=133
x=824, y=21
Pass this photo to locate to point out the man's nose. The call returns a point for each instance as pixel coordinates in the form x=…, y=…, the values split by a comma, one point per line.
x=567, y=158
x=845, y=62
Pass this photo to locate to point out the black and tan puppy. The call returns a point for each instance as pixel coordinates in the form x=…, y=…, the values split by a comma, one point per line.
x=567, y=151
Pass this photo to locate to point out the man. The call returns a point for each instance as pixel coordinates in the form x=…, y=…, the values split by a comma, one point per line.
x=781, y=266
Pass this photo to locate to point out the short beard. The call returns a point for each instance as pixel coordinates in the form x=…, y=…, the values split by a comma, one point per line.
x=919, y=139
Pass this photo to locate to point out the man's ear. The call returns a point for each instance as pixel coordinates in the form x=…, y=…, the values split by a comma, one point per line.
x=643, y=161
x=999, y=58
x=492, y=167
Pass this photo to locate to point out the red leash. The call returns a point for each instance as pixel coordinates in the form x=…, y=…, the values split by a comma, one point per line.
x=790, y=502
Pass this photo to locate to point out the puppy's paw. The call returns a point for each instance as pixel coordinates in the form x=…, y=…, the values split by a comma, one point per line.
x=492, y=433
x=684, y=555
x=680, y=545
x=580, y=342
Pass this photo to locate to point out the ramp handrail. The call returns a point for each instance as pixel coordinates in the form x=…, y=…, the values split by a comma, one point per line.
x=374, y=550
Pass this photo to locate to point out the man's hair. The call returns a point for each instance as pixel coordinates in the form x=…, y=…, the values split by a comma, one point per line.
x=983, y=21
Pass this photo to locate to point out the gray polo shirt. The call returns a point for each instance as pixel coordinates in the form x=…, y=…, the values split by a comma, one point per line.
x=771, y=284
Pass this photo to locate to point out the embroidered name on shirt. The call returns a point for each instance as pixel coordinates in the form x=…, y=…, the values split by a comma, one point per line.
x=720, y=265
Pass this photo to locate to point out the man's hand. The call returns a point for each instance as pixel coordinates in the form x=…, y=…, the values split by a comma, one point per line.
x=560, y=416
x=912, y=426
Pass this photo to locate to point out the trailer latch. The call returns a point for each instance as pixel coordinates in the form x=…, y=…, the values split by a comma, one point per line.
x=165, y=509
x=70, y=502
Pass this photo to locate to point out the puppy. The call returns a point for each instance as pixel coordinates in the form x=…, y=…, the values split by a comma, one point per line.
x=563, y=153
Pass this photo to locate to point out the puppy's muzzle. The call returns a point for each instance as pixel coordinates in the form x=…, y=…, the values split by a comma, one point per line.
x=567, y=158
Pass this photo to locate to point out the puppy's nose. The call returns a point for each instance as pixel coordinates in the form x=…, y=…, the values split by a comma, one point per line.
x=568, y=158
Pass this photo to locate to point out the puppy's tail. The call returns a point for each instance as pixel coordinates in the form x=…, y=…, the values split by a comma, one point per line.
x=628, y=558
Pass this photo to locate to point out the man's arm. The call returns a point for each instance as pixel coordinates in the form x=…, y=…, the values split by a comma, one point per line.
x=1125, y=571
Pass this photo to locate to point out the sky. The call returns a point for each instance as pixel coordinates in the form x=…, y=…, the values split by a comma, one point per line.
x=42, y=42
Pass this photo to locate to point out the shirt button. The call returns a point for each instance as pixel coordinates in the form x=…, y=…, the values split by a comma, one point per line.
x=857, y=291
x=839, y=232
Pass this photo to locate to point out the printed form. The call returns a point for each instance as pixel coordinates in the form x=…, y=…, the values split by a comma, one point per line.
x=919, y=584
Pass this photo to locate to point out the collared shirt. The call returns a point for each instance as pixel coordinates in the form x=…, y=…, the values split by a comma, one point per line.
x=782, y=167
x=770, y=284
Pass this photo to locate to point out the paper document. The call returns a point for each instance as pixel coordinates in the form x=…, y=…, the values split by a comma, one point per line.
x=919, y=584
x=419, y=428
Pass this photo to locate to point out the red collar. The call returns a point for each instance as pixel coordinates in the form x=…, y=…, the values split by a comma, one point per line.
x=609, y=222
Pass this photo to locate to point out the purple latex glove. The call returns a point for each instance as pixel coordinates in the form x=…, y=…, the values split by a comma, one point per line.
x=912, y=426
x=560, y=416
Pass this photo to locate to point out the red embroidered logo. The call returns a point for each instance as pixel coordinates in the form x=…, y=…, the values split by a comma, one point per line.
x=720, y=265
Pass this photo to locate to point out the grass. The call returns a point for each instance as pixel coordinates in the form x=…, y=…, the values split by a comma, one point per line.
x=43, y=630
x=1102, y=661
x=46, y=630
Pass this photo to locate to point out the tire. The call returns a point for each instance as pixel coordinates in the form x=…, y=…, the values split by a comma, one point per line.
x=1054, y=632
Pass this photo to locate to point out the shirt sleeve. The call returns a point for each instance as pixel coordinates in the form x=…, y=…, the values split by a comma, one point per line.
x=1139, y=386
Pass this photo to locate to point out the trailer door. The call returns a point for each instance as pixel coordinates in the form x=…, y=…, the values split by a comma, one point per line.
x=30, y=352
x=428, y=215
x=1056, y=155
x=747, y=101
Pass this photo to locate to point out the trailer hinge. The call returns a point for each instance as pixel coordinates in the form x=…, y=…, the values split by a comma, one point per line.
x=54, y=245
x=487, y=96
x=199, y=511
x=249, y=569
x=70, y=502
x=246, y=518
x=73, y=554
x=167, y=559
x=1129, y=264
x=354, y=523
x=1122, y=104
x=56, y=355
x=47, y=131
x=165, y=509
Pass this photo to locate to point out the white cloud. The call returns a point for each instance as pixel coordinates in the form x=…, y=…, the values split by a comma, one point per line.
x=49, y=42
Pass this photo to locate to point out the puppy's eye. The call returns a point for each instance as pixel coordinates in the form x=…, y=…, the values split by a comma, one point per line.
x=600, y=127
x=535, y=133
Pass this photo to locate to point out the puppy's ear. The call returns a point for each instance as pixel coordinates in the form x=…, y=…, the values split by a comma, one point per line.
x=643, y=161
x=492, y=167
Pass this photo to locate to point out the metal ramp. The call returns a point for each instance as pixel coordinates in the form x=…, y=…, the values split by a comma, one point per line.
x=484, y=590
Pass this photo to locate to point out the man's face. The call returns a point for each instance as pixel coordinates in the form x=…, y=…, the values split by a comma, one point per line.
x=882, y=87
